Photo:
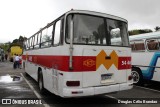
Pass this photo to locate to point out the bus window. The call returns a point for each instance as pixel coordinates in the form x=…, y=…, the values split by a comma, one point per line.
x=87, y=30
x=92, y=30
x=33, y=39
x=117, y=29
x=137, y=45
x=57, y=32
x=49, y=35
x=27, y=45
x=153, y=44
x=31, y=42
x=36, y=42
x=44, y=38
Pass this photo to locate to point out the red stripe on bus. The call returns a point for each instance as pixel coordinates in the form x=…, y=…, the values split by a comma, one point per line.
x=80, y=63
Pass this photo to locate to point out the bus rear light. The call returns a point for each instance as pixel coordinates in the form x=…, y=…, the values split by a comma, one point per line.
x=73, y=83
x=77, y=92
x=130, y=77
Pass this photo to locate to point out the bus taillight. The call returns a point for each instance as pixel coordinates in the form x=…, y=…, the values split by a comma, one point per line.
x=73, y=83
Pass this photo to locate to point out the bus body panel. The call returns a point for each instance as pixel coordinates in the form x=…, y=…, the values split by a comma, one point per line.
x=104, y=67
x=90, y=91
x=147, y=64
x=56, y=79
x=156, y=76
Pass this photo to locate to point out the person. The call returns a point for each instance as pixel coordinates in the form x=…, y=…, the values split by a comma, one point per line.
x=16, y=61
x=13, y=59
x=2, y=57
x=6, y=56
x=20, y=61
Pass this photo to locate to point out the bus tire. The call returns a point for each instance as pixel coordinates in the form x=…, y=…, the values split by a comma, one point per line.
x=137, y=76
x=40, y=82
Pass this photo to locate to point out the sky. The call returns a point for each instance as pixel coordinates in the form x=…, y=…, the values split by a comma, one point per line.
x=26, y=17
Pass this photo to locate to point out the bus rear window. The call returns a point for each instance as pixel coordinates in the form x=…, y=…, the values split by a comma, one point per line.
x=95, y=30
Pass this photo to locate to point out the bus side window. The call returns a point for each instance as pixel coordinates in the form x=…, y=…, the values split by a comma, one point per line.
x=35, y=41
x=31, y=44
x=153, y=44
x=133, y=47
x=27, y=45
x=46, y=39
x=38, y=40
x=49, y=35
x=137, y=45
x=57, y=32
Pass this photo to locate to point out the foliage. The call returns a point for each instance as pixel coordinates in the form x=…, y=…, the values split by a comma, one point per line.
x=15, y=41
x=139, y=31
x=18, y=42
x=15, y=44
x=5, y=47
x=157, y=28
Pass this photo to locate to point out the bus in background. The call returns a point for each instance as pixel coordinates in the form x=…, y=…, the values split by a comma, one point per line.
x=14, y=50
x=145, y=57
x=75, y=55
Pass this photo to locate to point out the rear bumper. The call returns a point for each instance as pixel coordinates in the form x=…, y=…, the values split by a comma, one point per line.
x=89, y=91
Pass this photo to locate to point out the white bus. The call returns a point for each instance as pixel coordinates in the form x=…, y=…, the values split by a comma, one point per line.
x=145, y=57
x=74, y=55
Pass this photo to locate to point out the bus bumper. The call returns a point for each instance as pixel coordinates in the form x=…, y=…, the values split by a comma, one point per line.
x=90, y=91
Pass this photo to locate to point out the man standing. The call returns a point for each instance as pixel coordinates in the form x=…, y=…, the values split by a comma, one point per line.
x=16, y=61
x=6, y=56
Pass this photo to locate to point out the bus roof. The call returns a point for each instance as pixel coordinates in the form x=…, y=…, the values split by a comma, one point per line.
x=97, y=14
x=145, y=36
x=85, y=12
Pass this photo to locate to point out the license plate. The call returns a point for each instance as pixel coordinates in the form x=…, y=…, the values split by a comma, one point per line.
x=106, y=77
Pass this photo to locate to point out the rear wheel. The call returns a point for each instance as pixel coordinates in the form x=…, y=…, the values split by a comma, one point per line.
x=40, y=83
x=137, y=76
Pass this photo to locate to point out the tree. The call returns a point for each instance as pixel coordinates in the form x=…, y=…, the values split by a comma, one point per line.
x=46, y=38
x=18, y=42
x=157, y=28
x=21, y=39
x=15, y=41
x=139, y=31
x=5, y=47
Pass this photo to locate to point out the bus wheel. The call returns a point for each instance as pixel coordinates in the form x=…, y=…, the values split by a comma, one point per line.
x=40, y=82
x=137, y=76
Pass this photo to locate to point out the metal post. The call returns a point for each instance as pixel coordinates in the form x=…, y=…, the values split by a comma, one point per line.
x=71, y=45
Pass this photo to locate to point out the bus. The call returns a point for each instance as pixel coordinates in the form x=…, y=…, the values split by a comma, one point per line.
x=145, y=57
x=74, y=56
x=15, y=50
